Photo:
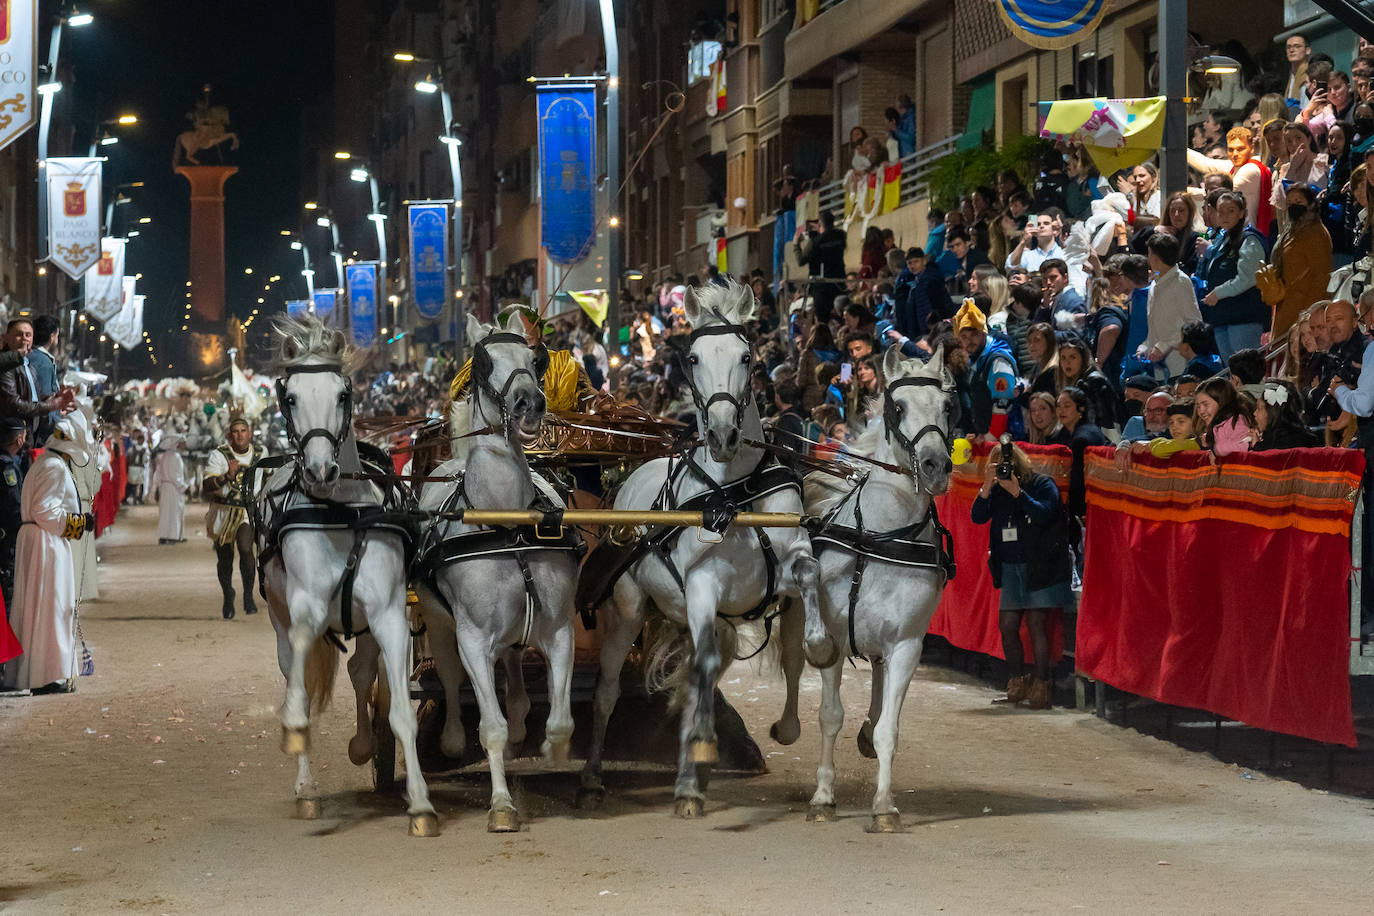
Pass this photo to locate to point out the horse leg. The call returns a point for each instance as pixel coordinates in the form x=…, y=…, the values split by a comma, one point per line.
x=622, y=619
x=821, y=649
x=689, y=792
x=875, y=708
x=502, y=816
x=699, y=750
x=831, y=719
x=393, y=637
x=559, y=651
x=295, y=716
x=362, y=671
x=790, y=627
x=517, y=699
x=901, y=664
x=443, y=645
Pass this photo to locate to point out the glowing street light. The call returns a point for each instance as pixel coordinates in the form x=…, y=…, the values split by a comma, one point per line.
x=358, y=175
x=77, y=20
x=341, y=155
x=403, y=56
x=127, y=119
x=311, y=205
x=427, y=86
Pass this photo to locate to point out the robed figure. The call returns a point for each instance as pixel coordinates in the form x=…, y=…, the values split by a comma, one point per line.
x=44, y=611
x=170, y=480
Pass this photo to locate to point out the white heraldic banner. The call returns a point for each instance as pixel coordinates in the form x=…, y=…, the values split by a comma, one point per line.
x=105, y=281
x=74, y=214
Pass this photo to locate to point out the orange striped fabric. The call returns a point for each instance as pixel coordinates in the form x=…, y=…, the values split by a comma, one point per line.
x=1311, y=490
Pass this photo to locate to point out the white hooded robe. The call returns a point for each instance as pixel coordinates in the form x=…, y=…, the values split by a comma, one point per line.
x=170, y=480
x=44, y=611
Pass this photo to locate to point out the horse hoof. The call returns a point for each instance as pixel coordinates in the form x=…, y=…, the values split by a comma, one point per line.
x=785, y=735
x=704, y=752
x=591, y=798
x=503, y=820
x=426, y=824
x=885, y=823
x=359, y=750
x=823, y=657
x=821, y=814
x=689, y=808
x=294, y=741
x=865, y=741
x=308, y=809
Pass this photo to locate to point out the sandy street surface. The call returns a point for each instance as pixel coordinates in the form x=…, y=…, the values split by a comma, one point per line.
x=159, y=788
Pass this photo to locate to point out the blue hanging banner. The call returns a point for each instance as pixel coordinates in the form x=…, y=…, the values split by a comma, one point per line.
x=324, y=303
x=1052, y=24
x=362, y=303
x=429, y=258
x=567, y=173
x=297, y=308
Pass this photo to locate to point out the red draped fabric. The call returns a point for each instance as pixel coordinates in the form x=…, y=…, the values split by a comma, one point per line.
x=9, y=643
x=967, y=615
x=1224, y=588
x=106, y=500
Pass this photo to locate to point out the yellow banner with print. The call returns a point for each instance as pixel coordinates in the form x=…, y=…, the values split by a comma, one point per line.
x=1117, y=133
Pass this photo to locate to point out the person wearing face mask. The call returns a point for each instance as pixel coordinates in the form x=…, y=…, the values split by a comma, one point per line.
x=1300, y=265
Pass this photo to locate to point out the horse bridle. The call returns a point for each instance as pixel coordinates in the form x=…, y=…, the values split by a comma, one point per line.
x=703, y=404
x=482, y=367
x=892, y=417
x=335, y=439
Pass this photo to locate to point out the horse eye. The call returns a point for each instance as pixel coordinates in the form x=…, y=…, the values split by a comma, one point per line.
x=693, y=359
x=744, y=360
x=290, y=400
x=899, y=407
x=343, y=397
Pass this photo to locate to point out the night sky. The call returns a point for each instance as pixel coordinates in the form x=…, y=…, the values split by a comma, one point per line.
x=267, y=62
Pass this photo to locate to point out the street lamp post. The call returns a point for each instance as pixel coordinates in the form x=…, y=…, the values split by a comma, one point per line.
x=451, y=140
x=298, y=244
x=614, y=255
x=363, y=173
x=46, y=91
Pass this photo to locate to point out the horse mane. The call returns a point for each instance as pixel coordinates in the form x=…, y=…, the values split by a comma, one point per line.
x=308, y=341
x=728, y=301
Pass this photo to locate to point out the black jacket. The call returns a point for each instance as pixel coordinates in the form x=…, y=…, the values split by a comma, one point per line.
x=1041, y=525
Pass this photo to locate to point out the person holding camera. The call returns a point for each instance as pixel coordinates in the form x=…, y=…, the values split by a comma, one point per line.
x=1341, y=364
x=1030, y=562
x=819, y=246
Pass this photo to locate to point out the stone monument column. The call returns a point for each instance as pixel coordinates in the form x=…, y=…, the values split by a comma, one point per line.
x=205, y=352
x=205, y=349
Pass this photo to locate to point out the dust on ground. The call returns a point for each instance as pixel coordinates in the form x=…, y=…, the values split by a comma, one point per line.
x=159, y=787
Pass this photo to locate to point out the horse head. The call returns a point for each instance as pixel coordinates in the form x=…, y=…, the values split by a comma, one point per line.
x=718, y=359
x=918, y=413
x=315, y=395
x=508, y=380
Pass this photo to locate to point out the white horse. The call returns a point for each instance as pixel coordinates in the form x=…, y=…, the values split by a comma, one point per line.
x=492, y=592
x=336, y=566
x=698, y=578
x=889, y=517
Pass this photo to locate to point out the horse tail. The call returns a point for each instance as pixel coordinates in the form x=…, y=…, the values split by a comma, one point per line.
x=668, y=658
x=321, y=667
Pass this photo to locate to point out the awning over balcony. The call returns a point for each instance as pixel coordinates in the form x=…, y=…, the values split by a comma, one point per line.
x=982, y=113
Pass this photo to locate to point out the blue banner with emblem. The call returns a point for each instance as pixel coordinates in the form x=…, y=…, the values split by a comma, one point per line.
x=429, y=258
x=297, y=308
x=362, y=303
x=1052, y=24
x=567, y=171
x=324, y=303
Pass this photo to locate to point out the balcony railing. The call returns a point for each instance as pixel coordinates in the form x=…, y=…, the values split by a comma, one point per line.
x=915, y=177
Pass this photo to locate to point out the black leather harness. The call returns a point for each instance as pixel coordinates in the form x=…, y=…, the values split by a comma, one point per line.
x=909, y=545
x=292, y=508
x=516, y=542
x=719, y=504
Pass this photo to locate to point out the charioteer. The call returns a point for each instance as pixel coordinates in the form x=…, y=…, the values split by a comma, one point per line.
x=227, y=490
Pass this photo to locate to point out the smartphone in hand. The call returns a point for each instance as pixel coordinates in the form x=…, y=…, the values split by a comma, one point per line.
x=846, y=373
